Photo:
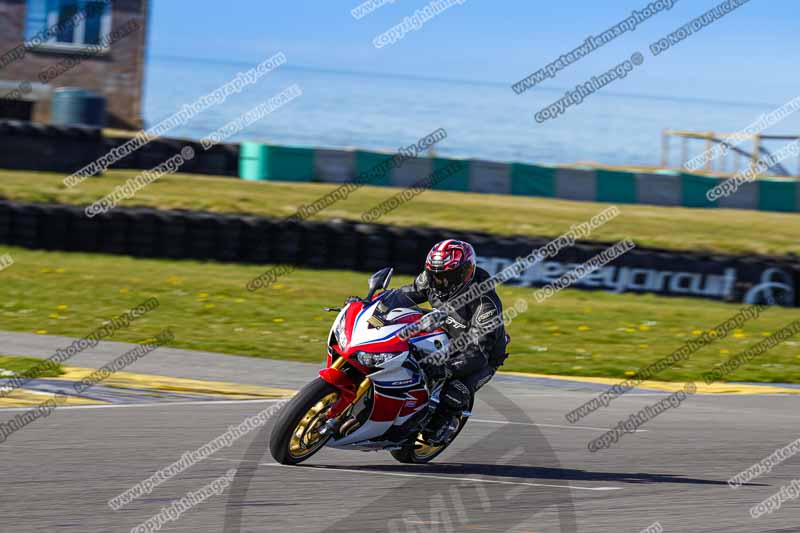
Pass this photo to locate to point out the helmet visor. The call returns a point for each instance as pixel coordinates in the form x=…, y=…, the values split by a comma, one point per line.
x=447, y=280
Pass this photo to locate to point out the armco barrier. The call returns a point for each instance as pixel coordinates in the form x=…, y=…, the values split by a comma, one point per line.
x=285, y=163
x=665, y=188
x=530, y=180
x=367, y=247
x=30, y=146
x=333, y=166
x=616, y=187
x=777, y=195
x=368, y=160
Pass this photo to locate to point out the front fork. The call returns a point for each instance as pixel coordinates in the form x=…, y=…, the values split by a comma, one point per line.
x=349, y=393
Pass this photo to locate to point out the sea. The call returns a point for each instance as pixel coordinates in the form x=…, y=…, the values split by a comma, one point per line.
x=483, y=120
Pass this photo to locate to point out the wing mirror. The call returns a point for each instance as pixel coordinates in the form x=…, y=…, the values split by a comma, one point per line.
x=379, y=280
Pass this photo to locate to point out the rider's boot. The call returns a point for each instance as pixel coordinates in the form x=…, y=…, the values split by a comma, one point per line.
x=441, y=428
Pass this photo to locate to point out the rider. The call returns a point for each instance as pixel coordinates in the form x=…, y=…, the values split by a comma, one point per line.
x=450, y=270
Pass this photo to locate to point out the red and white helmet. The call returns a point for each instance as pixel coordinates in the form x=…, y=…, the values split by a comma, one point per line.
x=450, y=266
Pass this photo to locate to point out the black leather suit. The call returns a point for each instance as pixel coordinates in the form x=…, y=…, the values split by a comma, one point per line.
x=474, y=366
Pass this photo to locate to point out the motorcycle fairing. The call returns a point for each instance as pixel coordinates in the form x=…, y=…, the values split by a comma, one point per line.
x=399, y=392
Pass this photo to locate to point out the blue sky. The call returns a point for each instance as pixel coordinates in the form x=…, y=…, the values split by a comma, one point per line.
x=748, y=56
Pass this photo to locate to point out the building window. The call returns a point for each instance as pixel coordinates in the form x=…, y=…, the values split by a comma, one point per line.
x=67, y=23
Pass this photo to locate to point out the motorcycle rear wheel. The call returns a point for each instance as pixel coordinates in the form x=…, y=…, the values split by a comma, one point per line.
x=295, y=436
x=419, y=452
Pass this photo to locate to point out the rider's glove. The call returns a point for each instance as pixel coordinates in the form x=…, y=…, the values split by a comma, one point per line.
x=432, y=321
x=436, y=371
x=351, y=299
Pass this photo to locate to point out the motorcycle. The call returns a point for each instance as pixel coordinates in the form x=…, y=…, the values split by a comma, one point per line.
x=372, y=394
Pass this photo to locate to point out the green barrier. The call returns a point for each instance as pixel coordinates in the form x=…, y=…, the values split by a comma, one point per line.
x=777, y=195
x=374, y=167
x=616, y=187
x=290, y=164
x=457, y=181
x=253, y=161
x=531, y=180
x=694, y=189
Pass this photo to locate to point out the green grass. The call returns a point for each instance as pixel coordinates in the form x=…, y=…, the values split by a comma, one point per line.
x=723, y=230
x=206, y=305
x=20, y=365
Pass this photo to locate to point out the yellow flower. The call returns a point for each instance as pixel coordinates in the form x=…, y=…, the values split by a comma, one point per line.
x=584, y=328
x=174, y=280
x=278, y=320
x=124, y=291
x=277, y=286
x=697, y=332
x=630, y=372
x=239, y=300
x=41, y=332
x=557, y=334
x=202, y=295
x=766, y=334
x=724, y=351
x=62, y=307
x=644, y=346
x=209, y=306
x=630, y=330
x=553, y=328
x=54, y=315
x=59, y=270
x=740, y=335
x=644, y=327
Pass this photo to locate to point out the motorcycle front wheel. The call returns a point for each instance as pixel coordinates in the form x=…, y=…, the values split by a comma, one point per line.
x=296, y=434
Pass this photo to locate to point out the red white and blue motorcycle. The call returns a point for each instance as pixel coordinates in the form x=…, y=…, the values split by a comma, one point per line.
x=373, y=393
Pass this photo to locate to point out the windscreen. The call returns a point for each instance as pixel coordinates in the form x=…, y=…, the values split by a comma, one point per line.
x=395, y=299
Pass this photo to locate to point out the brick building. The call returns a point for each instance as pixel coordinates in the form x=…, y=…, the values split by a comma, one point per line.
x=97, y=45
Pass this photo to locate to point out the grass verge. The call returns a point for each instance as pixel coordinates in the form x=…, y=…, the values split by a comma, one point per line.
x=20, y=365
x=208, y=308
x=721, y=230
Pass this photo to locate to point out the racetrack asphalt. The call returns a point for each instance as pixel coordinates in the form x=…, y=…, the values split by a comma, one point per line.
x=518, y=466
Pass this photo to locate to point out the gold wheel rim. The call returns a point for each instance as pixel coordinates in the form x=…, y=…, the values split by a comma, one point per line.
x=423, y=450
x=306, y=438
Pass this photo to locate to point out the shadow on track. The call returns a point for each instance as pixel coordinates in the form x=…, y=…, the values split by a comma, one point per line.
x=459, y=505
x=529, y=473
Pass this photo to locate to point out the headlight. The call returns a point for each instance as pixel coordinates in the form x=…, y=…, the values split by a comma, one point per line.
x=341, y=336
x=374, y=359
